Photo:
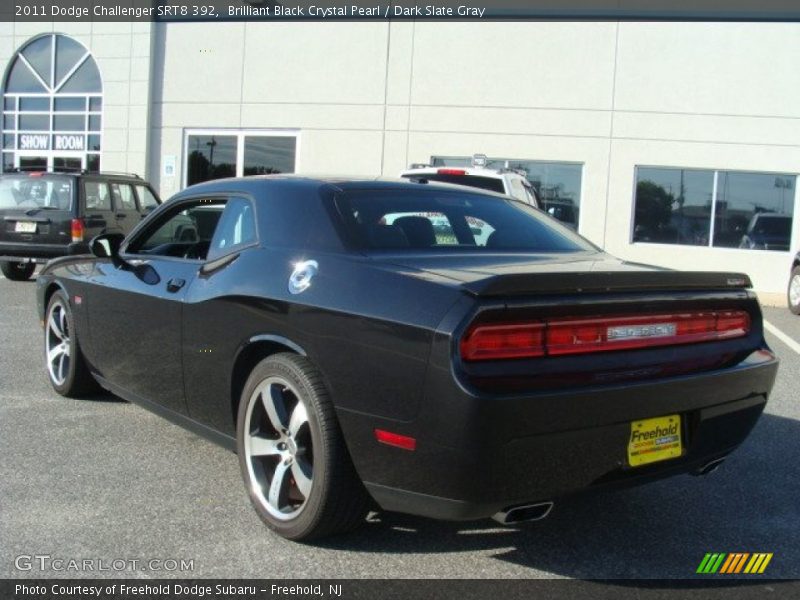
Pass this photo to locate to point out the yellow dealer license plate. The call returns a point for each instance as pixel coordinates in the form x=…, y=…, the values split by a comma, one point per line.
x=653, y=440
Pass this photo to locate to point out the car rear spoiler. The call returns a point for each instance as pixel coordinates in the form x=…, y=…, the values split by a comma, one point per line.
x=605, y=281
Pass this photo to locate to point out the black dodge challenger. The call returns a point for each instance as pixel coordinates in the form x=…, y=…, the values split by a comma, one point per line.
x=414, y=346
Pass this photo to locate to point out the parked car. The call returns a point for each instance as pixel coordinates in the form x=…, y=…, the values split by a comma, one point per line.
x=510, y=182
x=793, y=292
x=768, y=231
x=46, y=214
x=353, y=362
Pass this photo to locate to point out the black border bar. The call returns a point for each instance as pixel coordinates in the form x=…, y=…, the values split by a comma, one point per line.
x=375, y=10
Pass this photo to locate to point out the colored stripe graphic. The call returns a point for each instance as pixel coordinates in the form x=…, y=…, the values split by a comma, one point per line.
x=734, y=562
x=711, y=562
x=728, y=562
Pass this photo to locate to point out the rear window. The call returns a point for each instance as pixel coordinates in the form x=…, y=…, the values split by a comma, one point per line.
x=47, y=192
x=489, y=184
x=429, y=220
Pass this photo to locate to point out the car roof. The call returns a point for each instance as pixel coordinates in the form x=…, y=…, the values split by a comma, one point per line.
x=309, y=182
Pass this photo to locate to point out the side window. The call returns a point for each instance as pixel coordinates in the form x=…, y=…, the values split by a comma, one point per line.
x=518, y=191
x=123, y=196
x=186, y=232
x=533, y=199
x=97, y=196
x=236, y=228
x=147, y=201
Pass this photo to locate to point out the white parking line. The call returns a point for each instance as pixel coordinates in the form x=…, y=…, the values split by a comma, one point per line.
x=782, y=336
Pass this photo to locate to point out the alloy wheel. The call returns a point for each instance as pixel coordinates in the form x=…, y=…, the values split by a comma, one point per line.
x=794, y=290
x=278, y=448
x=57, y=343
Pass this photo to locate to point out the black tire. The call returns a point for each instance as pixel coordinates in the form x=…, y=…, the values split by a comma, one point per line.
x=337, y=501
x=67, y=372
x=17, y=271
x=794, y=280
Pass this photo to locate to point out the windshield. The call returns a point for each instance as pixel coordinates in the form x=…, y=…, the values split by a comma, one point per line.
x=426, y=220
x=53, y=192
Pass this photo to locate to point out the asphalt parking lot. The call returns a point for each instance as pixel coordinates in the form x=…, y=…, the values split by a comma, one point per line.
x=104, y=479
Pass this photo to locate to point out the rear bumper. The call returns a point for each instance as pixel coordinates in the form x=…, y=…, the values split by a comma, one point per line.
x=40, y=253
x=476, y=455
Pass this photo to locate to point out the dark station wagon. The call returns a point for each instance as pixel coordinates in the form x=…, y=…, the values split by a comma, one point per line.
x=414, y=347
x=44, y=215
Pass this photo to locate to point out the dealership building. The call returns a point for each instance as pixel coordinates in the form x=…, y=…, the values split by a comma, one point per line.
x=676, y=144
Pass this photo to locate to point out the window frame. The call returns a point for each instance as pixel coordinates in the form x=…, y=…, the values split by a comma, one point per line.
x=121, y=208
x=173, y=209
x=238, y=248
x=83, y=195
x=240, y=135
x=716, y=171
x=142, y=209
x=51, y=93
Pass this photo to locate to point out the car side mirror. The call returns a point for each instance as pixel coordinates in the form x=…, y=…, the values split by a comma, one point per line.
x=106, y=245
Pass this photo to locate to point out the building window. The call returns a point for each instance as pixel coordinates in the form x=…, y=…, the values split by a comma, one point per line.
x=558, y=185
x=724, y=209
x=214, y=154
x=52, y=107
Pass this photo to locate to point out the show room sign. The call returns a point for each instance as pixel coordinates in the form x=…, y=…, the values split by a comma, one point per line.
x=42, y=142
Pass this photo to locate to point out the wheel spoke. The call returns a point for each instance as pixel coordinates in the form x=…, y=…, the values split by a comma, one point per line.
x=275, y=405
x=301, y=471
x=277, y=485
x=55, y=327
x=62, y=314
x=298, y=419
x=261, y=446
x=55, y=352
x=61, y=362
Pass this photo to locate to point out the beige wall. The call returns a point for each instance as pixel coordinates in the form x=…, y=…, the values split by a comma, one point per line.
x=369, y=98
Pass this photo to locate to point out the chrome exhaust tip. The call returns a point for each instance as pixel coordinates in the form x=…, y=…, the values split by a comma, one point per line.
x=710, y=467
x=524, y=513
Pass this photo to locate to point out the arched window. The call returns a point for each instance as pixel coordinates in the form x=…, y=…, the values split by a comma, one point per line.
x=52, y=106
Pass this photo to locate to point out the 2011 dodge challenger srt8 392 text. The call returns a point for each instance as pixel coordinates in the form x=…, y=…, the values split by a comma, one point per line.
x=414, y=346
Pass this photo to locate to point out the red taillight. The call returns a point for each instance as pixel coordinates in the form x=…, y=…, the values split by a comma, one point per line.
x=487, y=342
x=77, y=230
x=579, y=335
x=451, y=172
x=35, y=173
x=395, y=439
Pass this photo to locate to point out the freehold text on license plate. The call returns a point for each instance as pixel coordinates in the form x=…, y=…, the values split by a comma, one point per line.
x=655, y=439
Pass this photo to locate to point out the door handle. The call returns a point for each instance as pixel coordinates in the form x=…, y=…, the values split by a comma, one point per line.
x=121, y=215
x=173, y=285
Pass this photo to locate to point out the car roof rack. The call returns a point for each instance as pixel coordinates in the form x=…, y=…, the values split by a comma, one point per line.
x=77, y=171
x=117, y=173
